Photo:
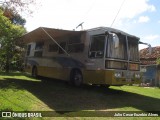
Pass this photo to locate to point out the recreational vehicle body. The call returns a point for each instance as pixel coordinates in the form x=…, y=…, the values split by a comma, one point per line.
x=102, y=56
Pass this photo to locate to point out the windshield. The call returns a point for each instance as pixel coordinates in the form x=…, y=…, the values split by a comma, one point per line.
x=116, y=47
x=133, y=49
x=118, y=54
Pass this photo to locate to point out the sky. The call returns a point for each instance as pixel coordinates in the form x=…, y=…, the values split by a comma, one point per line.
x=137, y=17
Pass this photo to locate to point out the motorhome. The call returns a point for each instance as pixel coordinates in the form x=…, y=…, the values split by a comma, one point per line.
x=102, y=56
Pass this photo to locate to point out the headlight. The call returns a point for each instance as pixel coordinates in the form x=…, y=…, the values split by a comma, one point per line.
x=117, y=75
x=137, y=75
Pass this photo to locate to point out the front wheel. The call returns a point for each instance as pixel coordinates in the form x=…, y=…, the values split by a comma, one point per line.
x=76, y=77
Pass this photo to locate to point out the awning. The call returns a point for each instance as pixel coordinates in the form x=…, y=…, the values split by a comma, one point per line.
x=39, y=34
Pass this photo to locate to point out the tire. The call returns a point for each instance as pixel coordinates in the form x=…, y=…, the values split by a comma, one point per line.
x=76, y=78
x=34, y=72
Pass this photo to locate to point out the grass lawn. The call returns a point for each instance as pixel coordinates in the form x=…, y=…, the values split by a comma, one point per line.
x=19, y=92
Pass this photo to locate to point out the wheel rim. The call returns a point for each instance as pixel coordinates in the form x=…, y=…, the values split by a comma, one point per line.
x=77, y=79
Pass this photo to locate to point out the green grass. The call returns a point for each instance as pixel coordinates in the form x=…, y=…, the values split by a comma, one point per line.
x=20, y=92
x=13, y=97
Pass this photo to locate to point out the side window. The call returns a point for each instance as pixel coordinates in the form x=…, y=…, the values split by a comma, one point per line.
x=39, y=46
x=75, y=47
x=28, y=50
x=97, y=46
x=63, y=45
x=74, y=39
x=52, y=48
x=39, y=49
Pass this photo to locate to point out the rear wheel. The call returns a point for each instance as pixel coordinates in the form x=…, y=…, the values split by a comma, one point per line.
x=76, y=77
x=105, y=86
x=34, y=72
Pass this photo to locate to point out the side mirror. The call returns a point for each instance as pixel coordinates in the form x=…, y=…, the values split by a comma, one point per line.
x=149, y=46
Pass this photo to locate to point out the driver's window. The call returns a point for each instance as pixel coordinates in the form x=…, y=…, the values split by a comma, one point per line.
x=97, y=46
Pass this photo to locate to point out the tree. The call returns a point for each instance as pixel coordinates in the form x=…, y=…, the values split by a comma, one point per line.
x=18, y=5
x=11, y=27
x=8, y=34
x=13, y=16
x=158, y=61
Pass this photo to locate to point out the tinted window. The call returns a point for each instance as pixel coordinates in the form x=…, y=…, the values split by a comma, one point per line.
x=53, y=48
x=76, y=47
x=39, y=46
x=97, y=46
x=97, y=43
x=38, y=54
x=63, y=45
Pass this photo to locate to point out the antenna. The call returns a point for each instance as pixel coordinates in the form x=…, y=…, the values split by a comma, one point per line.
x=118, y=12
x=86, y=15
x=81, y=24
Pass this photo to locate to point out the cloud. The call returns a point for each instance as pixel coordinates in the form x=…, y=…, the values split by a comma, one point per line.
x=151, y=8
x=133, y=8
x=67, y=14
x=152, y=37
x=143, y=19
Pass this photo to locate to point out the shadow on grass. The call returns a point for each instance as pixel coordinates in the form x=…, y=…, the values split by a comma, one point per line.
x=62, y=97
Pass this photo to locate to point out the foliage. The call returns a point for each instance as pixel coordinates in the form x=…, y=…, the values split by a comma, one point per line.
x=8, y=34
x=13, y=16
x=11, y=28
x=18, y=5
x=158, y=61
